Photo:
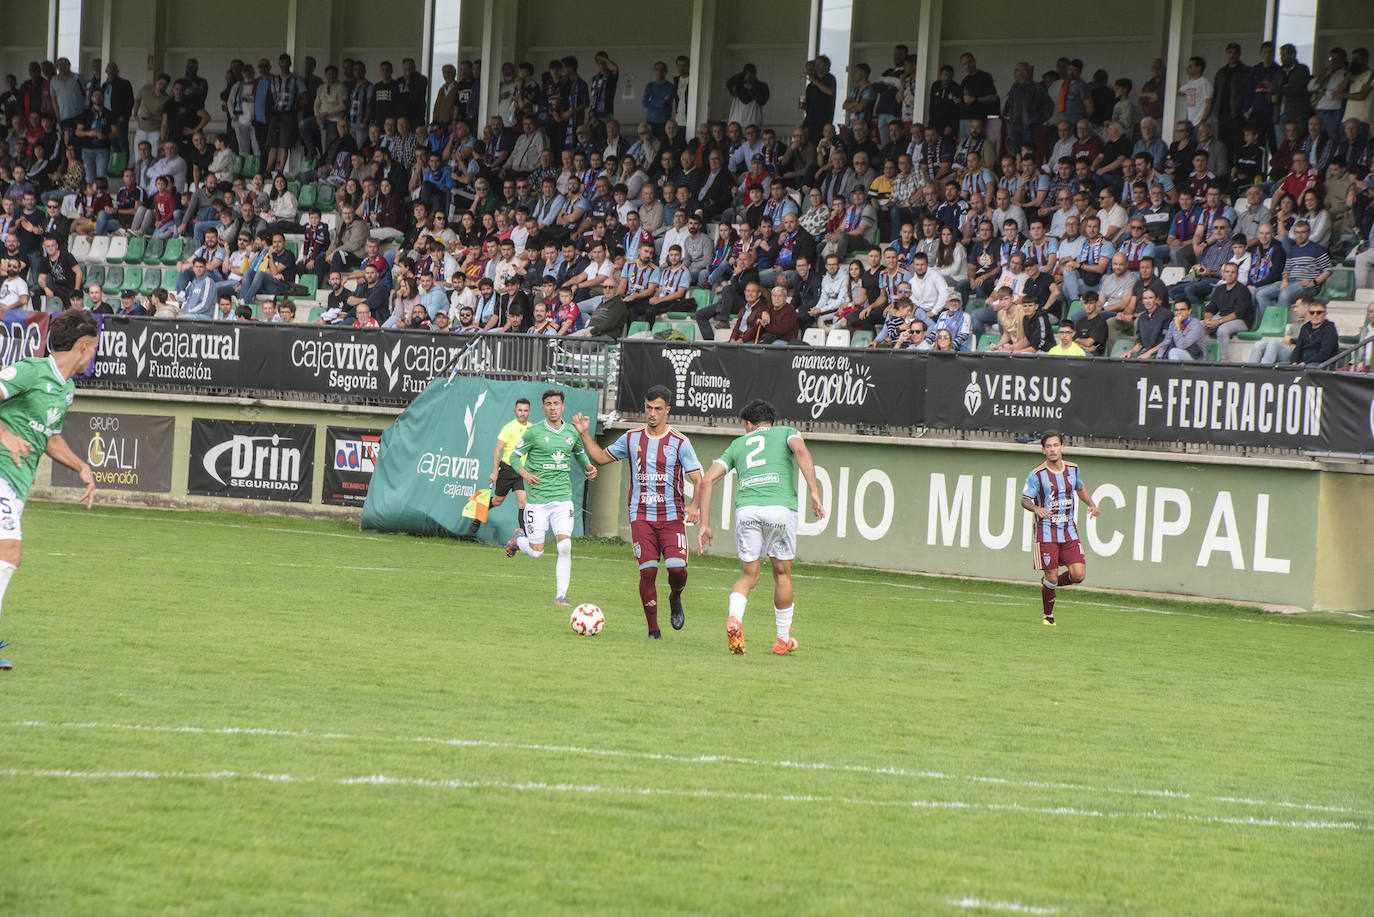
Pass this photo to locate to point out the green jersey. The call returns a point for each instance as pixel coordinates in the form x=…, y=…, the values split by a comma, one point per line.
x=33, y=406
x=545, y=452
x=766, y=466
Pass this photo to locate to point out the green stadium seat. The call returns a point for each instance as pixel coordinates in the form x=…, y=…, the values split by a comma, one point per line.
x=169, y=278
x=1213, y=352
x=118, y=163
x=987, y=341
x=172, y=253
x=703, y=298
x=294, y=248
x=95, y=274
x=688, y=329
x=133, y=278
x=636, y=328
x=295, y=188
x=306, y=199
x=137, y=248
x=677, y=316
x=316, y=313
x=253, y=165
x=659, y=327
x=861, y=338
x=114, y=279
x=1197, y=310
x=325, y=201
x=239, y=162
x=1121, y=346
x=152, y=254
x=1340, y=285
x=1273, y=323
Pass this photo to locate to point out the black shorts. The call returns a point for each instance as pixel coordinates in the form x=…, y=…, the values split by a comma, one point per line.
x=507, y=479
x=282, y=130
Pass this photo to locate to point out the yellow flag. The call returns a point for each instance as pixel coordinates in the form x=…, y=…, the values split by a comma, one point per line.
x=477, y=506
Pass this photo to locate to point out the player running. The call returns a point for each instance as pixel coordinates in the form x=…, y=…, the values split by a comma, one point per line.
x=35, y=394
x=660, y=459
x=544, y=452
x=1049, y=494
x=767, y=458
x=504, y=478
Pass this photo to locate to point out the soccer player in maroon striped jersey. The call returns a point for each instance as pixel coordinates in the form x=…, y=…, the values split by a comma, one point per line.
x=1049, y=494
x=661, y=461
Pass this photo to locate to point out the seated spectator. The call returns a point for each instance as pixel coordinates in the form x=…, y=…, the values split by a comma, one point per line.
x=1231, y=309
x=1067, y=346
x=1184, y=337
x=1317, y=340
x=1150, y=324
x=1306, y=267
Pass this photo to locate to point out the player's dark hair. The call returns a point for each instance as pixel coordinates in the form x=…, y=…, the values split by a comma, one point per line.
x=520, y=401
x=758, y=412
x=552, y=393
x=658, y=393
x=1049, y=435
x=66, y=328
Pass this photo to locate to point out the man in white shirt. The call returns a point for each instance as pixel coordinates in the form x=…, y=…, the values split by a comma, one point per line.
x=1111, y=213
x=834, y=291
x=929, y=291
x=172, y=165
x=1196, y=92
x=1007, y=210
x=676, y=235
x=14, y=290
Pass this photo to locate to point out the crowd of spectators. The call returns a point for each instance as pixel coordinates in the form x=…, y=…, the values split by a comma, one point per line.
x=1045, y=211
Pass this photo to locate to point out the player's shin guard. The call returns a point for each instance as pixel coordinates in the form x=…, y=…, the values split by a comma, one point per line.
x=648, y=592
x=523, y=544
x=562, y=571
x=783, y=617
x=677, y=580
x=737, y=602
x=6, y=571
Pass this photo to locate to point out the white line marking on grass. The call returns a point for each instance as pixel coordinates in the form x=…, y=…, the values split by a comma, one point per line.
x=596, y=789
x=1017, y=907
x=688, y=759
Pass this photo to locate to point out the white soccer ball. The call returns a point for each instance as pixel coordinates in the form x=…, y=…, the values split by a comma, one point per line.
x=587, y=620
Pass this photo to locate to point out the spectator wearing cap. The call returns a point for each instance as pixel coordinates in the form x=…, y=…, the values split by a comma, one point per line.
x=956, y=321
x=129, y=304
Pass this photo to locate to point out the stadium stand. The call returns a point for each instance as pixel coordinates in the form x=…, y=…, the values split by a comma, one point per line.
x=1026, y=195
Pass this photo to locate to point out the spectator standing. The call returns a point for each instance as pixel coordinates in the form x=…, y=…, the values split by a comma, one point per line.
x=1196, y=92
x=748, y=95
x=1290, y=95
x=818, y=100
x=979, y=93
x=658, y=99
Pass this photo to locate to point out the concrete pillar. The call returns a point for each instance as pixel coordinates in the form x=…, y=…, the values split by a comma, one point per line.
x=702, y=53
x=498, y=45
x=291, y=44
x=1179, y=21
x=927, y=53
x=107, y=34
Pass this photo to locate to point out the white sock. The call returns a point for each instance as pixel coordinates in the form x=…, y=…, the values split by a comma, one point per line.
x=783, y=617
x=523, y=544
x=562, y=569
x=737, y=602
x=1048, y=585
x=6, y=571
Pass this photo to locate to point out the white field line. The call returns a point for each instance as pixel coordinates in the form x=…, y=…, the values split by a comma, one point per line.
x=688, y=759
x=374, y=780
x=1013, y=906
x=961, y=590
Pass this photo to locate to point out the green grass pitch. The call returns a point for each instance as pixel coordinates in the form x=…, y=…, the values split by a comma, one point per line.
x=220, y=714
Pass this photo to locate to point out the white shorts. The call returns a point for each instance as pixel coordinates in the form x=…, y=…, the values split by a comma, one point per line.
x=765, y=531
x=540, y=517
x=11, y=512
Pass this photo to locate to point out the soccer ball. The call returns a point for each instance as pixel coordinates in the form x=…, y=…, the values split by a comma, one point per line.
x=587, y=620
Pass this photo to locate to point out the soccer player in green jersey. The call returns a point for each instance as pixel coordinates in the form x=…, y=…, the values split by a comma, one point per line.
x=545, y=453
x=766, y=458
x=34, y=396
